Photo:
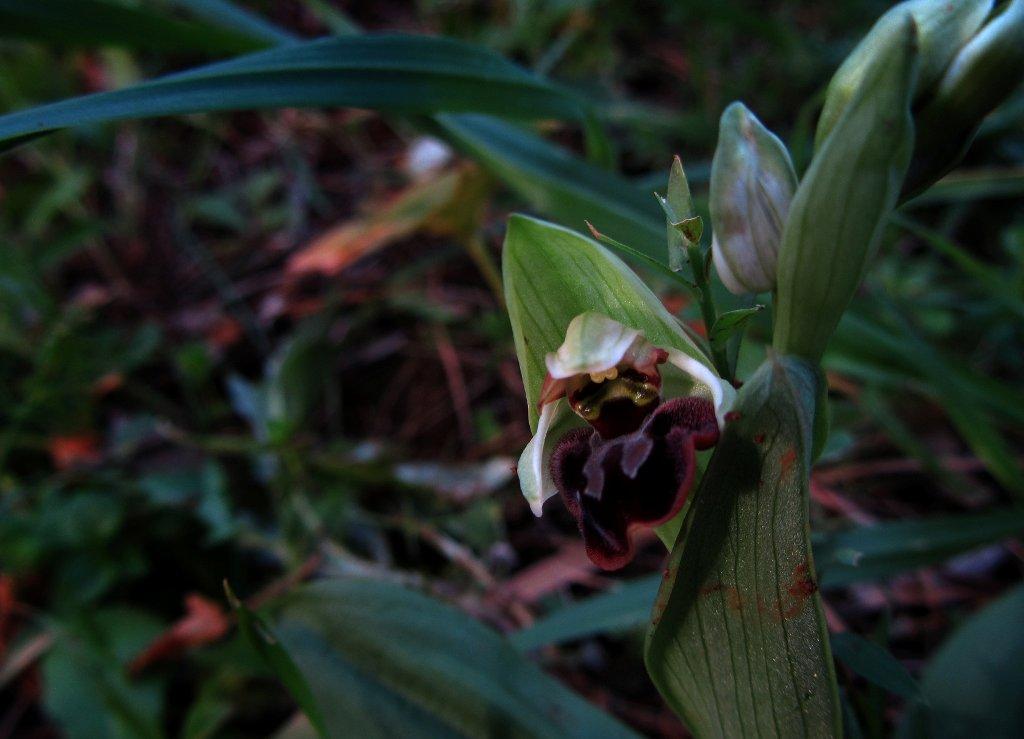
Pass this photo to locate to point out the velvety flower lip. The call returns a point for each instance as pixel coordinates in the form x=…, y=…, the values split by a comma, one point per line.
x=643, y=478
x=606, y=374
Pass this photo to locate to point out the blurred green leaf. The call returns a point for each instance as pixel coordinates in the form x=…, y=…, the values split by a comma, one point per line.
x=737, y=643
x=98, y=23
x=626, y=607
x=405, y=74
x=874, y=663
x=229, y=15
x=266, y=643
x=560, y=184
x=886, y=549
x=992, y=278
x=967, y=185
x=439, y=660
x=84, y=683
x=974, y=685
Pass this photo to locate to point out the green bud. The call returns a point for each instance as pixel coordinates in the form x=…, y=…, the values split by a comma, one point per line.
x=844, y=199
x=983, y=74
x=944, y=26
x=752, y=184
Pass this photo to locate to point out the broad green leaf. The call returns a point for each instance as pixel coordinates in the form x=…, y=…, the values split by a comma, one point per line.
x=465, y=679
x=266, y=643
x=405, y=74
x=558, y=183
x=97, y=22
x=974, y=685
x=887, y=549
x=737, y=643
x=842, y=204
x=730, y=322
x=874, y=663
x=552, y=275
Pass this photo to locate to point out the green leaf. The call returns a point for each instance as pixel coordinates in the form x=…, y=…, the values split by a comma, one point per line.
x=886, y=549
x=625, y=608
x=730, y=322
x=874, y=663
x=85, y=688
x=974, y=685
x=552, y=275
x=558, y=183
x=737, y=643
x=96, y=22
x=465, y=678
x=266, y=643
x=228, y=15
x=406, y=74
x=841, y=206
x=967, y=185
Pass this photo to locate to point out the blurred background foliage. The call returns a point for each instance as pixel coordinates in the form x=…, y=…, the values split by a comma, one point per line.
x=270, y=346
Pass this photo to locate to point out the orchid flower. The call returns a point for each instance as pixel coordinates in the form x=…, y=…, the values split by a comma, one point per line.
x=634, y=465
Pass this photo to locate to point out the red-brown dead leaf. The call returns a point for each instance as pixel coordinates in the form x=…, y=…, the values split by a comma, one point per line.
x=386, y=221
x=74, y=450
x=204, y=622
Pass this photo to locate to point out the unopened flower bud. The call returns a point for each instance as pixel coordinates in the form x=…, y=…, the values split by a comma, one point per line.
x=982, y=75
x=752, y=184
x=943, y=27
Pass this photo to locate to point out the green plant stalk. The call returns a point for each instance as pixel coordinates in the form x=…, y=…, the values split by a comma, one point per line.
x=707, y=309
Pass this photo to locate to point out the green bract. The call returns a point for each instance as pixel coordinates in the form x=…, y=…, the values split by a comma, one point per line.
x=943, y=27
x=843, y=201
x=737, y=643
x=553, y=276
x=752, y=184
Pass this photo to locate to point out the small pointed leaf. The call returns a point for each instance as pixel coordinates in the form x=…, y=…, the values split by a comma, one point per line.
x=731, y=322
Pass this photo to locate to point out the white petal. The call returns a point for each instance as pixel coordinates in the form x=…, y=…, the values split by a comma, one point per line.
x=723, y=394
x=593, y=344
x=534, y=475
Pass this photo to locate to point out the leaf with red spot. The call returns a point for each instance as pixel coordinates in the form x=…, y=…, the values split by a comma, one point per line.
x=737, y=643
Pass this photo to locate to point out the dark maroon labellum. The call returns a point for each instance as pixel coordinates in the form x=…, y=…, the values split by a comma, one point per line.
x=640, y=478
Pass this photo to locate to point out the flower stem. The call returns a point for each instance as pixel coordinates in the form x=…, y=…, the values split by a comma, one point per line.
x=707, y=308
